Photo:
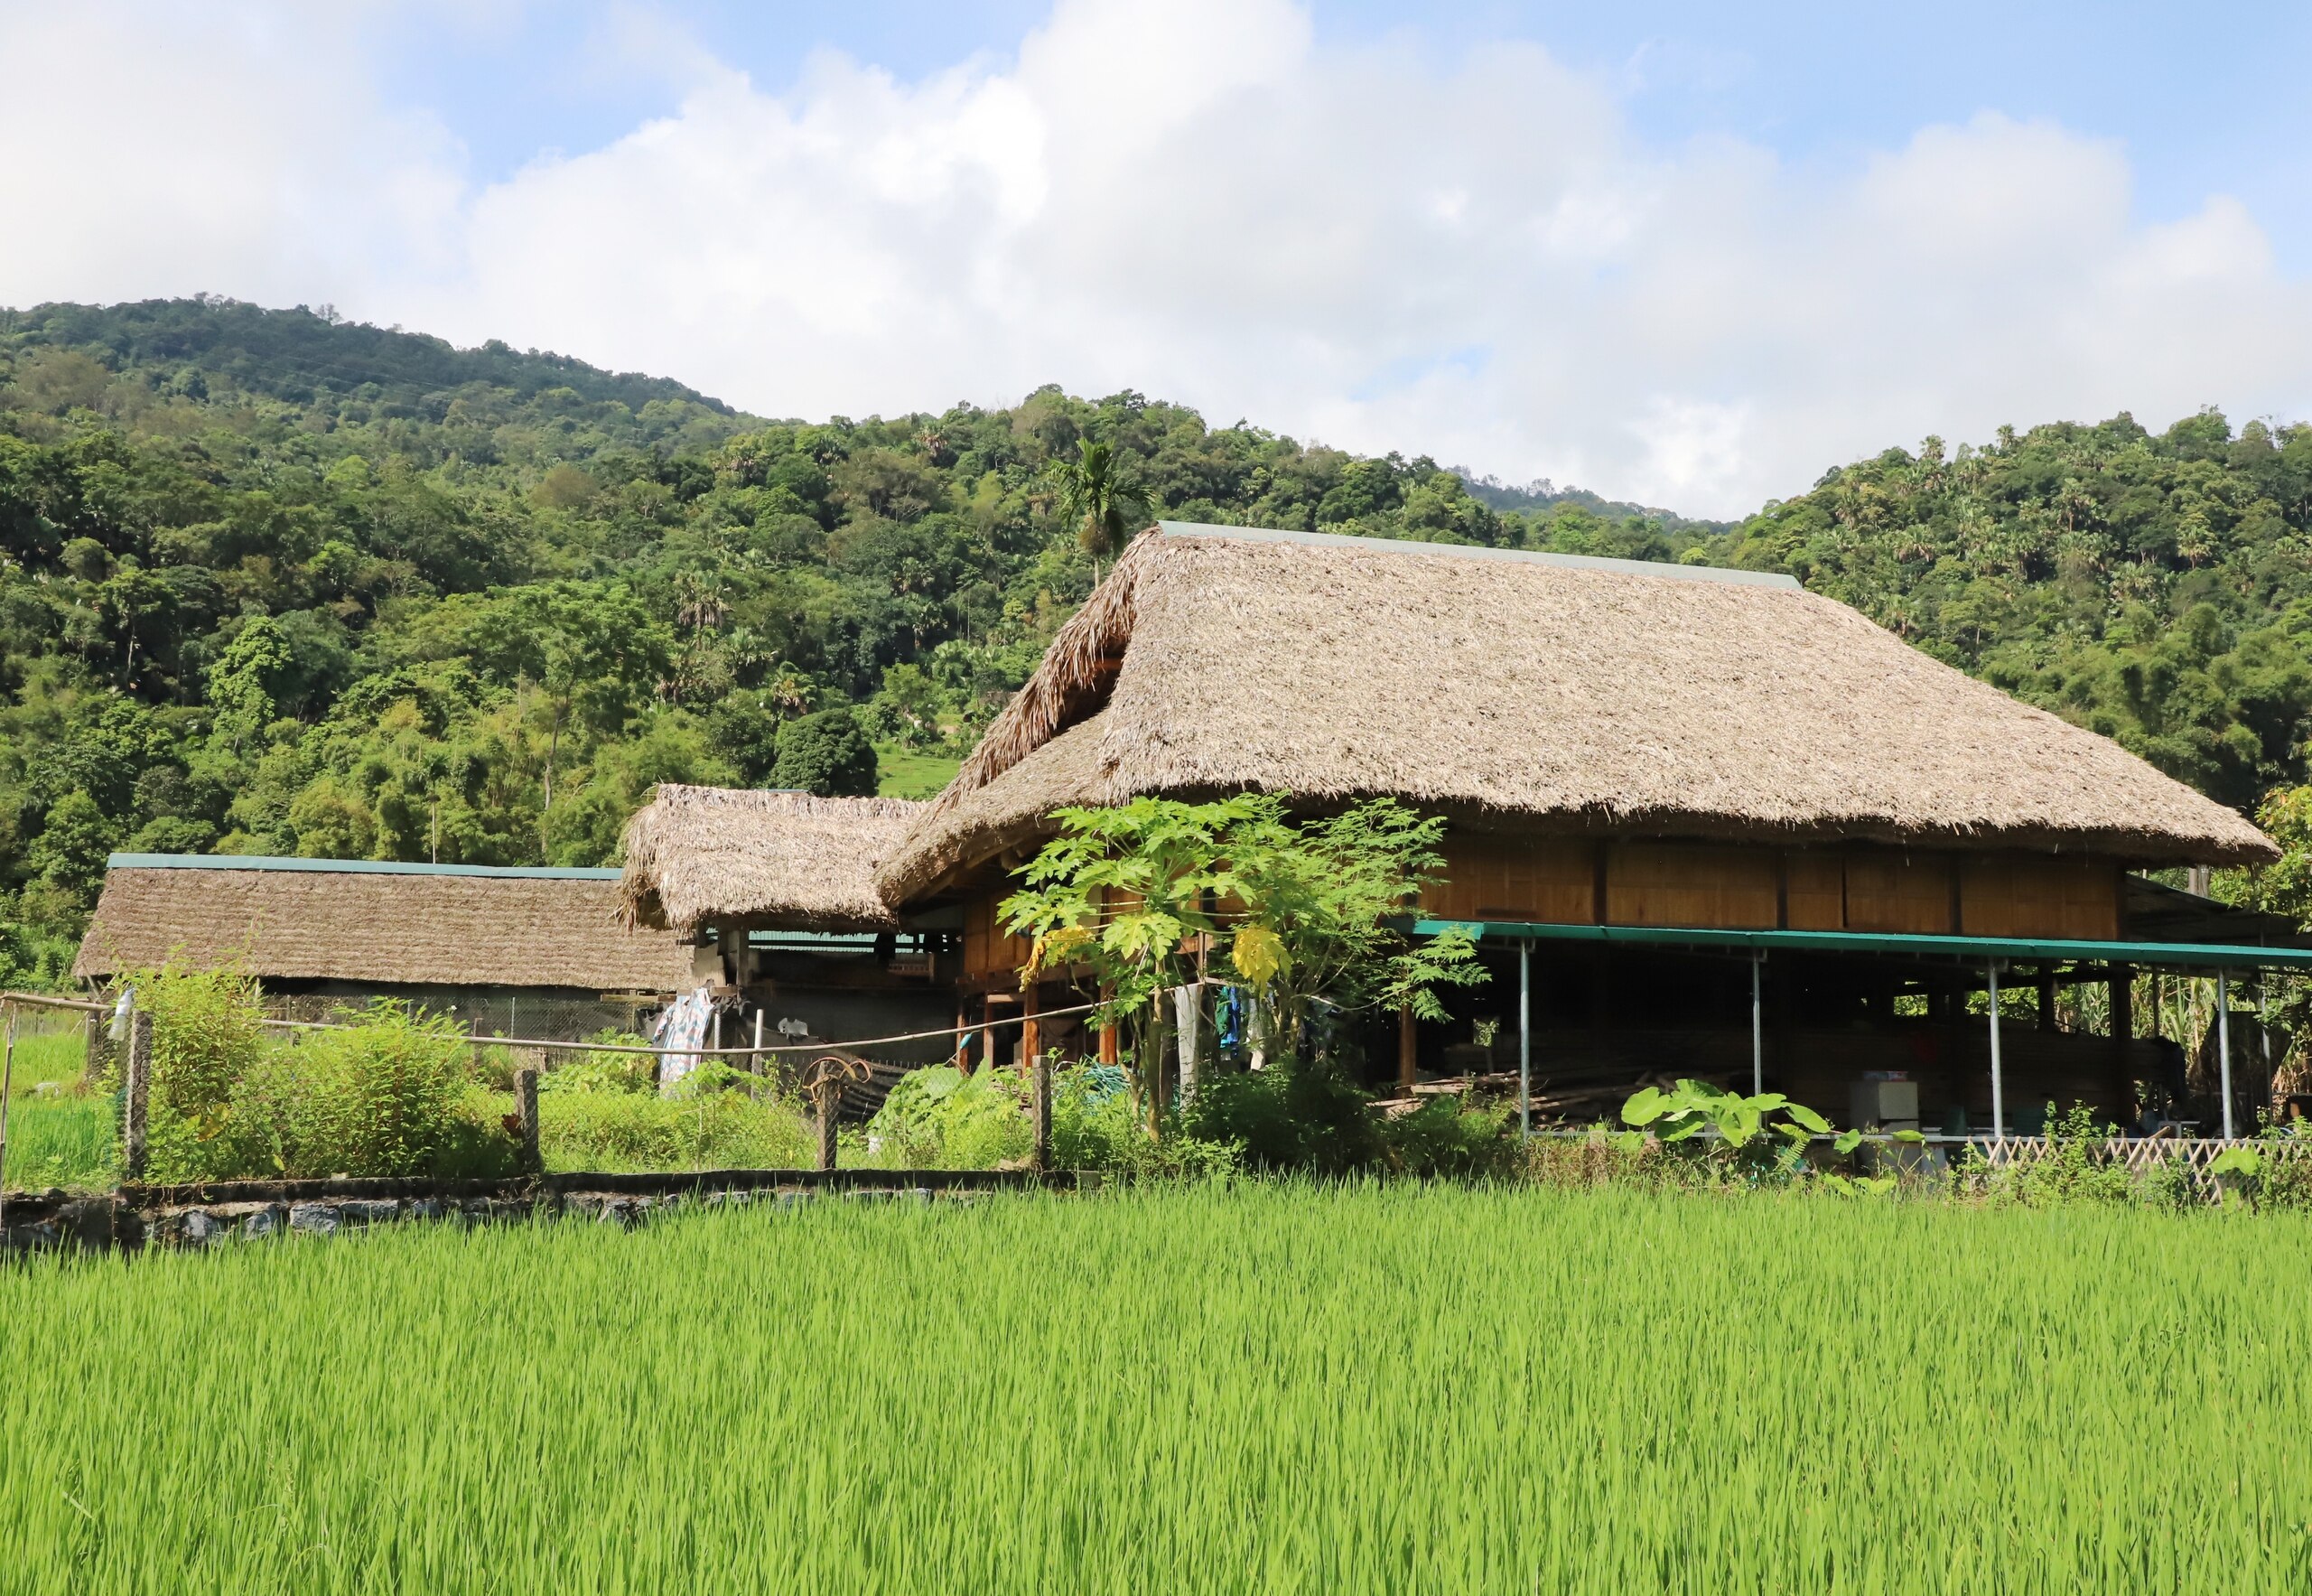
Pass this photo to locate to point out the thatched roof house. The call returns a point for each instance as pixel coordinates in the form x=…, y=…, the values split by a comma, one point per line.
x=1550, y=692
x=695, y=854
x=376, y=925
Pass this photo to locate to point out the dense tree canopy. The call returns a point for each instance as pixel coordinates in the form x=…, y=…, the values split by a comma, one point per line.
x=272, y=582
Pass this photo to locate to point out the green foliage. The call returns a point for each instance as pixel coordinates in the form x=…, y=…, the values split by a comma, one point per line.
x=826, y=754
x=1304, y=907
x=941, y=1118
x=384, y=1096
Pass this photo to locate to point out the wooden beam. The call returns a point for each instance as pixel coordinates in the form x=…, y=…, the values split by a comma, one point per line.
x=1031, y=1030
x=1408, y=1048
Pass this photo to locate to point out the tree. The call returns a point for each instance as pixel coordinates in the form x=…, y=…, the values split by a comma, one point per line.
x=744, y=728
x=1103, y=497
x=826, y=754
x=1304, y=907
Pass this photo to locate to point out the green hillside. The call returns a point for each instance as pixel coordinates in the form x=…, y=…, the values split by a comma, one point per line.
x=274, y=582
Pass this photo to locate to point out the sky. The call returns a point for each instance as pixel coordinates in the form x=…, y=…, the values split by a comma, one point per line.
x=1690, y=254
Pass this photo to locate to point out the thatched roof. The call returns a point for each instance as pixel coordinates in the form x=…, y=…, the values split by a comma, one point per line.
x=389, y=924
x=700, y=854
x=1590, y=696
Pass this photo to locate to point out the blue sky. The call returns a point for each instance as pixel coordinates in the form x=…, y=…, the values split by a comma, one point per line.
x=2202, y=100
x=1683, y=253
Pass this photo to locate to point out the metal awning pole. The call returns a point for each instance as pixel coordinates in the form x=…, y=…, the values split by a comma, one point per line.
x=1757, y=1025
x=2224, y=1046
x=1998, y=1085
x=1525, y=1037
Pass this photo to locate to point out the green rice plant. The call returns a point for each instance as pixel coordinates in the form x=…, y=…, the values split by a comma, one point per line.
x=1256, y=1386
x=63, y=1139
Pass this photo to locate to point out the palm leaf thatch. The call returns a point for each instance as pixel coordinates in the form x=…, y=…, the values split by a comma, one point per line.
x=1550, y=693
x=695, y=854
x=354, y=920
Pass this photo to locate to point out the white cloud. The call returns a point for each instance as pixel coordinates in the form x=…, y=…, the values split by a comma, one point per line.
x=1478, y=260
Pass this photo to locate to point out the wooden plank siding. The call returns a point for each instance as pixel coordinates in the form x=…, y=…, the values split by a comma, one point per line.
x=1553, y=882
x=1692, y=884
x=1813, y=891
x=2028, y=895
x=1859, y=888
x=1888, y=890
x=988, y=949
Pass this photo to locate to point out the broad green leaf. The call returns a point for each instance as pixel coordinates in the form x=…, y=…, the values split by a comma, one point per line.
x=1645, y=1106
x=1806, y=1117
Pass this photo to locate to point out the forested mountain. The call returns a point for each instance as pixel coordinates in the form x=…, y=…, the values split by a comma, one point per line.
x=274, y=583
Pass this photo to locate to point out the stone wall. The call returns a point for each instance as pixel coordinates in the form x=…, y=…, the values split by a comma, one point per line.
x=236, y=1210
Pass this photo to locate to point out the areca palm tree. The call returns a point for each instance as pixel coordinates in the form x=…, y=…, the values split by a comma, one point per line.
x=1104, y=497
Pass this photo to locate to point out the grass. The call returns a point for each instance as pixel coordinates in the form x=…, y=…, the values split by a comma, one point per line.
x=904, y=773
x=1272, y=1388
x=61, y=1135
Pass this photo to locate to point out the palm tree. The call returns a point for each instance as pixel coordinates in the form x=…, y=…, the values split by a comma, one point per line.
x=1104, y=497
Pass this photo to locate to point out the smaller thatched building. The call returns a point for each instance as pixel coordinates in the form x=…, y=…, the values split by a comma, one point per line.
x=778, y=891
x=520, y=952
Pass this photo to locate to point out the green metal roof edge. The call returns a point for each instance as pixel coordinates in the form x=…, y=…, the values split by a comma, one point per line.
x=348, y=866
x=1476, y=551
x=2186, y=954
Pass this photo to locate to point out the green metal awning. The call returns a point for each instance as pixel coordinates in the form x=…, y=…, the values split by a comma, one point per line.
x=2020, y=949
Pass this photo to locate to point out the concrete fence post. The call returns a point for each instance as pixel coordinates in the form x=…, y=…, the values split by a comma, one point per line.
x=526, y=1114
x=139, y=1085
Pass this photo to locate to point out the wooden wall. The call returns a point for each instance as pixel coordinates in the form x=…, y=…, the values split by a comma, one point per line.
x=988, y=949
x=1856, y=888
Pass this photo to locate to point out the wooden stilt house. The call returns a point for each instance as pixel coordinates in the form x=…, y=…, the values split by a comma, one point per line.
x=1703, y=821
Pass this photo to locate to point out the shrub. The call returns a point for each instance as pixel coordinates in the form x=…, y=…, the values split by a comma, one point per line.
x=380, y=1098
x=610, y=1131
x=1445, y=1136
x=1291, y=1116
x=941, y=1118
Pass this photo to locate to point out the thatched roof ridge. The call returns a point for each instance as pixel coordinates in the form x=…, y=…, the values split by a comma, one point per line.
x=1589, y=695
x=695, y=854
x=357, y=920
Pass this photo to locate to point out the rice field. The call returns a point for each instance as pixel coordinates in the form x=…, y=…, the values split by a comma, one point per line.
x=1251, y=1387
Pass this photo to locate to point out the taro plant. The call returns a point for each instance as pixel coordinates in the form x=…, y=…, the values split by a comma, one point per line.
x=1716, y=1125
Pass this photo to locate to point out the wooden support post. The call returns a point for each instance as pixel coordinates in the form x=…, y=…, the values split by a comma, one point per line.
x=825, y=1098
x=754, y=1060
x=963, y=1036
x=1111, y=1045
x=2046, y=997
x=7, y=1086
x=2122, y=1032
x=1031, y=1030
x=139, y=1087
x=1040, y=1107
x=526, y=1119
x=1408, y=1049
